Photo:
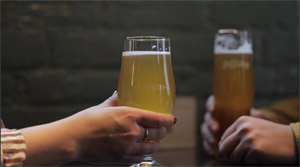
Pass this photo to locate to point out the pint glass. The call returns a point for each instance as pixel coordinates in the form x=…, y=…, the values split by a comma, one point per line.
x=146, y=78
x=233, y=76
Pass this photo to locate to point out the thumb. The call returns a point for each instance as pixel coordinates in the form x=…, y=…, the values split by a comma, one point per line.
x=256, y=113
x=111, y=101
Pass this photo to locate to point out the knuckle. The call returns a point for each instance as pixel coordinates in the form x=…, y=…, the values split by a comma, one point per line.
x=245, y=128
x=250, y=139
x=130, y=116
x=243, y=119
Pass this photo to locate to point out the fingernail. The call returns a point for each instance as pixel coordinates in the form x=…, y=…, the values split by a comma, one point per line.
x=115, y=93
x=175, y=120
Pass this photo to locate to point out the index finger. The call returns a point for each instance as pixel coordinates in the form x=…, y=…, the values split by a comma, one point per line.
x=210, y=103
x=155, y=120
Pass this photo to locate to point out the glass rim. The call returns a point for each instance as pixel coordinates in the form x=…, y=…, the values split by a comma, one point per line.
x=146, y=38
x=231, y=31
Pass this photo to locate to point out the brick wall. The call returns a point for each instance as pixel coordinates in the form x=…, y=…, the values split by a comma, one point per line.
x=58, y=58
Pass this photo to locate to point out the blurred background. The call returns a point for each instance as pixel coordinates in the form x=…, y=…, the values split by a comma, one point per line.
x=58, y=58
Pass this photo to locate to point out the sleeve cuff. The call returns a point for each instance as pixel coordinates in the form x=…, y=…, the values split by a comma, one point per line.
x=13, y=148
x=296, y=131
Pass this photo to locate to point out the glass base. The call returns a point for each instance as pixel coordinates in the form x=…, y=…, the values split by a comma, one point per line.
x=148, y=161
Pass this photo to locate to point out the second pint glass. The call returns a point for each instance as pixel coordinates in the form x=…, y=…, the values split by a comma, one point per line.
x=233, y=76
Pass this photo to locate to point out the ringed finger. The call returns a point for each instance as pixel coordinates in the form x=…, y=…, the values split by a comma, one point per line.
x=152, y=134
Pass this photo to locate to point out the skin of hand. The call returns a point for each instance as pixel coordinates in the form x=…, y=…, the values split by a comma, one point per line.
x=210, y=127
x=103, y=133
x=256, y=141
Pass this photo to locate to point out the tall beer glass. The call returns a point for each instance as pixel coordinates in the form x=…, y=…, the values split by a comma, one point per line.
x=146, y=78
x=233, y=76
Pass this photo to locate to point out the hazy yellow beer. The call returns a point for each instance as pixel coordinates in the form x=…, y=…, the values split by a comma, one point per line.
x=146, y=78
x=233, y=77
x=146, y=81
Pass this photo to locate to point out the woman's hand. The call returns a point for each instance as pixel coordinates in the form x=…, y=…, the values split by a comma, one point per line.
x=103, y=133
x=106, y=133
x=256, y=141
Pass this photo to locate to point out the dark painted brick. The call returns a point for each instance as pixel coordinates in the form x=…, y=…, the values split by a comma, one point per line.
x=193, y=81
x=8, y=83
x=25, y=116
x=23, y=51
x=69, y=87
x=192, y=47
x=84, y=48
x=157, y=14
x=288, y=80
x=282, y=47
x=264, y=79
x=262, y=14
x=52, y=14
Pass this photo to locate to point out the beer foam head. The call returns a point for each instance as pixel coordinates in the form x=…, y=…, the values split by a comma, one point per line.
x=141, y=53
x=227, y=44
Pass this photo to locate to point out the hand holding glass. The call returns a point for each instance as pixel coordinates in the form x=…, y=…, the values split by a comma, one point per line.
x=233, y=76
x=146, y=78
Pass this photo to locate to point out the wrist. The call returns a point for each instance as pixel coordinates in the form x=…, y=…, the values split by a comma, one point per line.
x=74, y=136
x=49, y=144
x=69, y=146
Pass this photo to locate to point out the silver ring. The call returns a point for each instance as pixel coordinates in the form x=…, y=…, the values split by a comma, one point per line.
x=146, y=134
